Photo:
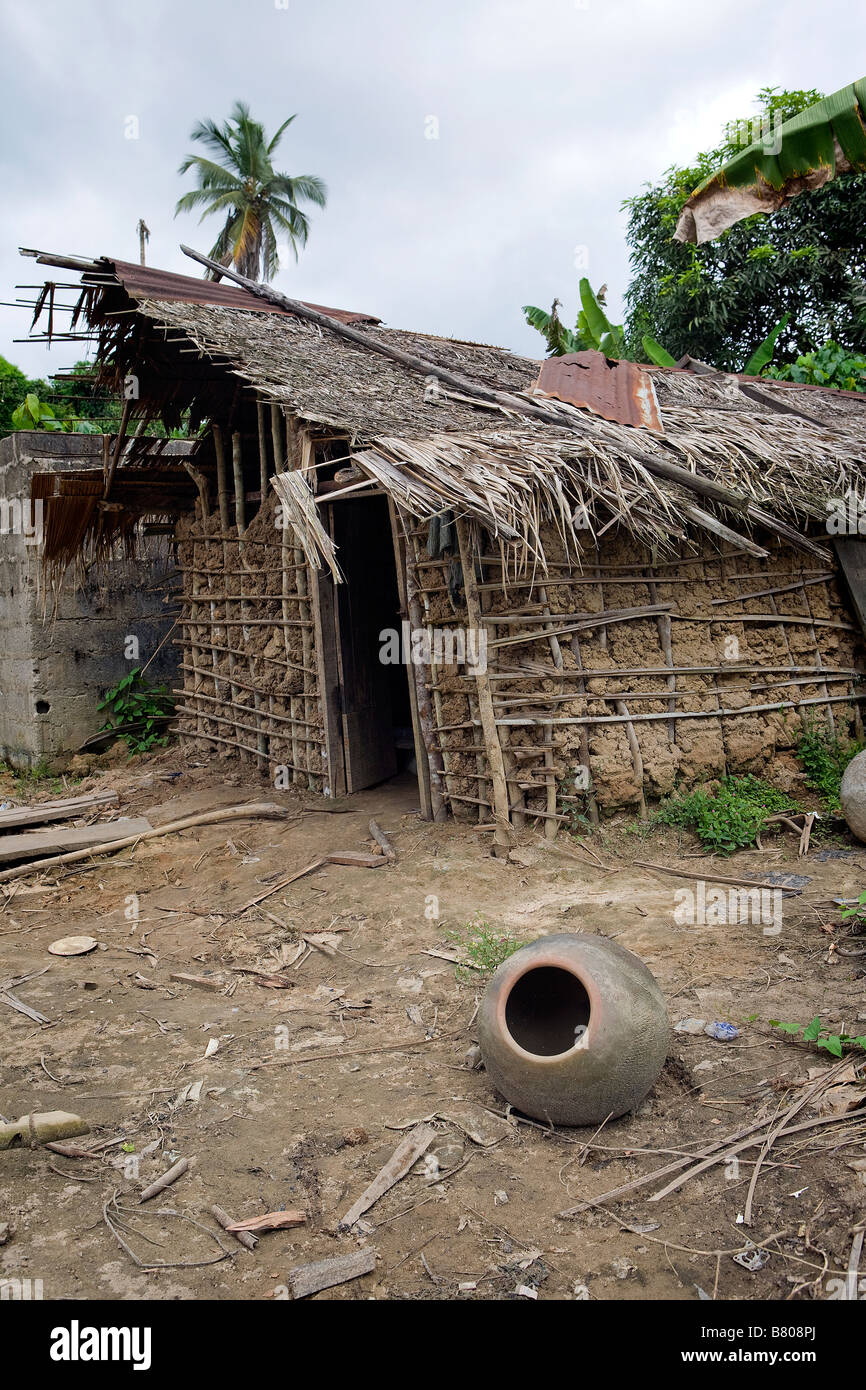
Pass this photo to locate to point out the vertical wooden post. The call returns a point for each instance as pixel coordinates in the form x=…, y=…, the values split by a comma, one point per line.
x=636, y=759
x=238, y=471
x=276, y=435
x=222, y=479
x=592, y=804
x=263, y=452
x=429, y=760
x=551, y=824
x=503, y=835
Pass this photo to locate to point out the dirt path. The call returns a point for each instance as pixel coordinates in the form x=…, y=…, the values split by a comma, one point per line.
x=274, y=1127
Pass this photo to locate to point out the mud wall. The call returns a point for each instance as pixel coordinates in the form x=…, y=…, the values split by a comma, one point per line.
x=739, y=652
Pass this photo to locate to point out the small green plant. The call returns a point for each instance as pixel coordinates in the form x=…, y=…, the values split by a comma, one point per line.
x=824, y=757
x=137, y=710
x=40, y=775
x=484, y=948
x=816, y=1033
x=729, y=818
x=855, y=914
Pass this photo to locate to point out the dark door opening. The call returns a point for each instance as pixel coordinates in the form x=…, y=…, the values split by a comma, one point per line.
x=375, y=718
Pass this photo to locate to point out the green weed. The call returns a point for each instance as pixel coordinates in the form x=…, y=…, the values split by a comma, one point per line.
x=729, y=818
x=137, y=711
x=824, y=757
x=816, y=1033
x=484, y=948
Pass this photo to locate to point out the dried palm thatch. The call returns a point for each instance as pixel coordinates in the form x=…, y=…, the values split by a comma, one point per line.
x=300, y=510
x=738, y=459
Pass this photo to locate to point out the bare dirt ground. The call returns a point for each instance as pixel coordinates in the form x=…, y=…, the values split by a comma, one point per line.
x=313, y=1086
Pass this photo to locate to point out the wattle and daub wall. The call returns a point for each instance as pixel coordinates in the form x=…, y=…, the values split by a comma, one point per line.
x=248, y=655
x=717, y=677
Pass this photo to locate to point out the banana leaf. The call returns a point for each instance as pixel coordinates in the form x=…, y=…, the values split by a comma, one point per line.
x=763, y=354
x=593, y=316
x=656, y=353
x=804, y=153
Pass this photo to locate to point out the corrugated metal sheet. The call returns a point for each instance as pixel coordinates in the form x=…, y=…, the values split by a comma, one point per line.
x=619, y=391
x=148, y=282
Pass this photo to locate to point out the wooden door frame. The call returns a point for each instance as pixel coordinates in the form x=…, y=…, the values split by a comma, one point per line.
x=324, y=601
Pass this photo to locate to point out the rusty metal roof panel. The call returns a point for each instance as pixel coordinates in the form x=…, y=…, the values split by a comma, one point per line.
x=148, y=282
x=615, y=390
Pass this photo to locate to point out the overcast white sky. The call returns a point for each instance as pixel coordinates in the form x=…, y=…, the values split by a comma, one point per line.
x=550, y=112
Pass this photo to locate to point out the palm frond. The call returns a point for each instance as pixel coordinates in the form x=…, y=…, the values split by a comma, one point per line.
x=279, y=135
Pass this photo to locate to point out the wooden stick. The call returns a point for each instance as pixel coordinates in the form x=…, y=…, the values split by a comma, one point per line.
x=201, y=484
x=679, y=714
x=427, y=756
x=721, y=1149
x=276, y=436
x=709, y=877
x=407, y=1152
x=263, y=461
x=244, y=1238
x=382, y=840
x=271, y=660
x=326, y=1274
x=636, y=759
x=176, y=1171
x=284, y=883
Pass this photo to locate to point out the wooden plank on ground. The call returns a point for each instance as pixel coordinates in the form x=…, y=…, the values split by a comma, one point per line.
x=325, y=1274
x=407, y=1152
x=55, y=810
x=48, y=841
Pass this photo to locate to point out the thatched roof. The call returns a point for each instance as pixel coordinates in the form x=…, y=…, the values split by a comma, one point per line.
x=748, y=455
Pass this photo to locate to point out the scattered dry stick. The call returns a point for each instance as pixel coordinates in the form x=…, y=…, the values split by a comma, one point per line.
x=809, y=1094
x=383, y=842
x=245, y=1238
x=407, y=1152
x=176, y=1171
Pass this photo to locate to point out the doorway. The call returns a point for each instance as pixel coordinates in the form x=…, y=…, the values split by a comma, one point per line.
x=368, y=709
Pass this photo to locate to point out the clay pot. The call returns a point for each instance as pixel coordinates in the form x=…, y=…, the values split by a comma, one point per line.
x=852, y=796
x=573, y=1029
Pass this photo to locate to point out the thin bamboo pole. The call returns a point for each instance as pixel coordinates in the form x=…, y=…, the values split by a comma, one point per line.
x=407, y=579
x=263, y=452
x=502, y=836
x=222, y=480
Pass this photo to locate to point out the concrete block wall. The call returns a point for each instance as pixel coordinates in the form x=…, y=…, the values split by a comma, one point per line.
x=56, y=663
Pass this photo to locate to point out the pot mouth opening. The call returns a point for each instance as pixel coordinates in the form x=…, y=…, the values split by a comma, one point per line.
x=547, y=1012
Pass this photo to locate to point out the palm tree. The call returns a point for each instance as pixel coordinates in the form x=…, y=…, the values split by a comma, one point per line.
x=258, y=204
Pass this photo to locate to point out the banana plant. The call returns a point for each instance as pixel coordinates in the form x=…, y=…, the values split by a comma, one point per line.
x=656, y=354
x=593, y=330
x=816, y=145
x=763, y=354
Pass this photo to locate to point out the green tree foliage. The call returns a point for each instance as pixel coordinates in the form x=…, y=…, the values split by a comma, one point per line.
x=34, y=414
x=831, y=365
x=719, y=301
x=14, y=386
x=257, y=204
